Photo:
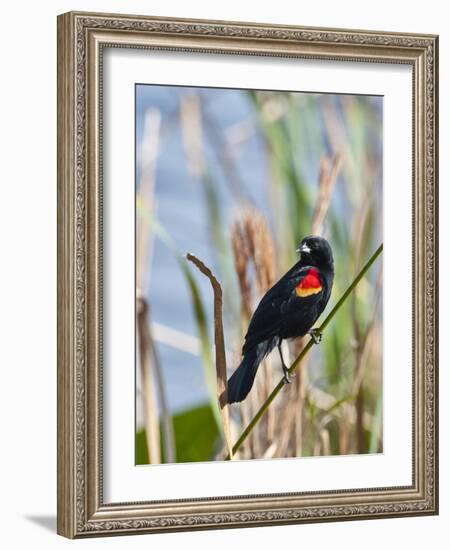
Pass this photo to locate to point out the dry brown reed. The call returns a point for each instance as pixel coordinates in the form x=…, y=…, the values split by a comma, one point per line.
x=241, y=256
x=329, y=171
x=254, y=255
x=221, y=363
x=148, y=384
x=293, y=435
x=154, y=393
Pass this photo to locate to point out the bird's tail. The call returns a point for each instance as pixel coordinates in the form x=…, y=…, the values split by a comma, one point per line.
x=241, y=381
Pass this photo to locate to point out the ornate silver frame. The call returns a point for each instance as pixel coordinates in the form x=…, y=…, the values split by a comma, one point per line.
x=81, y=38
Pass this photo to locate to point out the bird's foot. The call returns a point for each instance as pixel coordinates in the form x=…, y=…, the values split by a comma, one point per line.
x=316, y=335
x=287, y=378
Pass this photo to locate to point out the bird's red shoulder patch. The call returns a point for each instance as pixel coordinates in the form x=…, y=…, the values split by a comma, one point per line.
x=310, y=284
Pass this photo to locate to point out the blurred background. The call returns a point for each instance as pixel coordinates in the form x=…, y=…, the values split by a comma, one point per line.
x=238, y=178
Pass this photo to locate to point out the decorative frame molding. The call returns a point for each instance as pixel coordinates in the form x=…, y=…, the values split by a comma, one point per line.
x=81, y=37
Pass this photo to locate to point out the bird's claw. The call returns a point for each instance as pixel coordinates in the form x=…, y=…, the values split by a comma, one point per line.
x=316, y=335
x=287, y=378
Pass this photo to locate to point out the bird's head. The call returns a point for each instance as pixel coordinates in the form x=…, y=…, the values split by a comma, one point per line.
x=316, y=251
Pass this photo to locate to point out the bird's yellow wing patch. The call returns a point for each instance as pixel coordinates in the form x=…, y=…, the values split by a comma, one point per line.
x=304, y=292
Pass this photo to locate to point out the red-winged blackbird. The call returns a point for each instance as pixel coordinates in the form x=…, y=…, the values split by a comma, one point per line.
x=287, y=310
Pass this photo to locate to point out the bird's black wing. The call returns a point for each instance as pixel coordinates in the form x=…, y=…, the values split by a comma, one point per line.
x=268, y=317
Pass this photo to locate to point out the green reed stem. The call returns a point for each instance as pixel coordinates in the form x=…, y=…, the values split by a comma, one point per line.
x=304, y=351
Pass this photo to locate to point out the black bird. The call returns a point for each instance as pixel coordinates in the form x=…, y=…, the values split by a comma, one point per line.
x=288, y=310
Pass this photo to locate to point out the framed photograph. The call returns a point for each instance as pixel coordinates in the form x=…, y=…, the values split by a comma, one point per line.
x=247, y=274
